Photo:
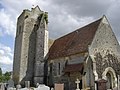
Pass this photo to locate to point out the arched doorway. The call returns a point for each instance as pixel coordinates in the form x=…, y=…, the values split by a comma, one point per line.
x=110, y=75
x=109, y=81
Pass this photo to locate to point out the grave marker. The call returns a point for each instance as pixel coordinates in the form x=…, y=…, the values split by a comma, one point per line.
x=10, y=83
x=59, y=86
x=77, y=82
x=27, y=84
x=42, y=87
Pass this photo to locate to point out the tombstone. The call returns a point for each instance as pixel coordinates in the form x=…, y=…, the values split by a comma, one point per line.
x=52, y=88
x=101, y=84
x=2, y=86
x=42, y=87
x=27, y=84
x=6, y=86
x=18, y=86
x=77, y=82
x=10, y=83
x=59, y=86
x=115, y=88
x=37, y=84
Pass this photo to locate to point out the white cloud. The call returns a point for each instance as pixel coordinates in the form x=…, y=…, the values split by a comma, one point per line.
x=2, y=52
x=5, y=48
x=6, y=58
x=7, y=25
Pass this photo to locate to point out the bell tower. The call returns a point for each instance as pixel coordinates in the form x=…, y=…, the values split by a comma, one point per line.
x=31, y=46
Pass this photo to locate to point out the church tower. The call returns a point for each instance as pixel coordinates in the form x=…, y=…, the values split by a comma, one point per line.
x=31, y=46
x=41, y=48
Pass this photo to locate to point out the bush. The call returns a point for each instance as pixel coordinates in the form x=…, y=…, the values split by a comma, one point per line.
x=5, y=77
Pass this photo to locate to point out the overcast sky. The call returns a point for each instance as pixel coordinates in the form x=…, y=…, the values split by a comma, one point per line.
x=64, y=16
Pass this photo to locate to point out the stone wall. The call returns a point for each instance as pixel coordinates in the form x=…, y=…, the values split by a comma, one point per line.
x=105, y=48
x=18, y=48
x=57, y=74
x=28, y=50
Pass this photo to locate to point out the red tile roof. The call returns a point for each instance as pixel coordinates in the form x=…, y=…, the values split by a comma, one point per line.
x=74, y=68
x=75, y=42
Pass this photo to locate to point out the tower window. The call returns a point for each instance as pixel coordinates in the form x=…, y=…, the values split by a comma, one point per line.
x=26, y=16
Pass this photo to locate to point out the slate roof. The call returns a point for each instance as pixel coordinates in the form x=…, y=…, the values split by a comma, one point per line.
x=75, y=42
x=74, y=68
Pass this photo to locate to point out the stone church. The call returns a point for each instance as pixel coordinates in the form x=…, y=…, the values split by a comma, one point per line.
x=90, y=54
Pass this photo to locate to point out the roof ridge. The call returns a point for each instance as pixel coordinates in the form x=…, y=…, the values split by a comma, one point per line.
x=80, y=28
x=74, y=42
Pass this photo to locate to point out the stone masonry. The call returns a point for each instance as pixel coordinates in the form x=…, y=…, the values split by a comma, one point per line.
x=31, y=46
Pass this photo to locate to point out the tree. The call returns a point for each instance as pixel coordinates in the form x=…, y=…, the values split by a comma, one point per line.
x=4, y=77
x=0, y=71
x=7, y=76
x=1, y=77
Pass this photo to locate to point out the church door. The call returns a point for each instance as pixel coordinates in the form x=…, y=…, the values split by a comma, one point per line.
x=110, y=75
x=109, y=81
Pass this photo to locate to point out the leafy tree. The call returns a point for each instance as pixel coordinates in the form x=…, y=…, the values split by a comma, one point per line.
x=1, y=75
x=0, y=72
x=1, y=78
x=7, y=76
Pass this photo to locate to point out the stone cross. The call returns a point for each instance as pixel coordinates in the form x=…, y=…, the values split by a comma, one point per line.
x=77, y=82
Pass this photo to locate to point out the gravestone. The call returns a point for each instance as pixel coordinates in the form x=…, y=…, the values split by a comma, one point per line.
x=37, y=84
x=18, y=86
x=115, y=88
x=42, y=87
x=59, y=86
x=77, y=82
x=27, y=84
x=52, y=88
x=10, y=83
x=2, y=86
x=101, y=84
